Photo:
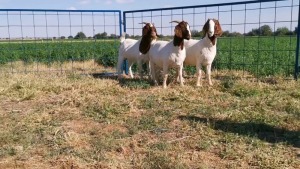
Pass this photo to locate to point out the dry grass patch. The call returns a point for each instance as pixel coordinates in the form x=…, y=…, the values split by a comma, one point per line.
x=75, y=121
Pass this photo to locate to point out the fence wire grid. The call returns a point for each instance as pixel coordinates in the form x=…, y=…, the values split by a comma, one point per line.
x=58, y=40
x=260, y=37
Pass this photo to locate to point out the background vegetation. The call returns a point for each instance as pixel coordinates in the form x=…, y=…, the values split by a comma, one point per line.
x=260, y=51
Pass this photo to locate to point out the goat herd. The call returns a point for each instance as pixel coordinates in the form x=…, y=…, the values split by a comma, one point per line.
x=162, y=55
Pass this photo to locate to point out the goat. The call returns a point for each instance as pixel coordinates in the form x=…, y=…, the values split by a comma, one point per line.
x=163, y=54
x=130, y=49
x=202, y=52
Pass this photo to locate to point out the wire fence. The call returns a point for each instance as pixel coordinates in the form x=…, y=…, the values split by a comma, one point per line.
x=58, y=40
x=260, y=37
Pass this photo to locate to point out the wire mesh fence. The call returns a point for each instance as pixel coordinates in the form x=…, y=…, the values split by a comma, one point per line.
x=58, y=40
x=260, y=37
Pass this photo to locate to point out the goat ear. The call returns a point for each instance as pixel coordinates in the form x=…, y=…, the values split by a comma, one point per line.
x=178, y=31
x=218, y=29
x=206, y=26
x=145, y=45
x=145, y=30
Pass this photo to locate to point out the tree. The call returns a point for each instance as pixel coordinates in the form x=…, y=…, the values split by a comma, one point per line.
x=195, y=33
x=103, y=35
x=113, y=36
x=80, y=35
x=70, y=37
x=296, y=30
x=226, y=33
x=282, y=31
x=62, y=37
x=264, y=30
x=100, y=35
x=235, y=34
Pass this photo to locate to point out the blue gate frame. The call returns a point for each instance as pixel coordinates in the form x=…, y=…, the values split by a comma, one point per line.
x=149, y=14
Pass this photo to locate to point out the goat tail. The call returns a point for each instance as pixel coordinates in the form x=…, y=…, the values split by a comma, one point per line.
x=122, y=38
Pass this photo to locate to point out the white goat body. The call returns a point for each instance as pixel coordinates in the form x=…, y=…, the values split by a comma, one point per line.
x=202, y=52
x=129, y=49
x=136, y=50
x=164, y=55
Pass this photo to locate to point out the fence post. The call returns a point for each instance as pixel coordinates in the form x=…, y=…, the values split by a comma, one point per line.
x=125, y=62
x=296, y=74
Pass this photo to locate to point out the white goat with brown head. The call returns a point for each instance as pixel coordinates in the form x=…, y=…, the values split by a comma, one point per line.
x=202, y=52
x=130, y=49
x=164, y=55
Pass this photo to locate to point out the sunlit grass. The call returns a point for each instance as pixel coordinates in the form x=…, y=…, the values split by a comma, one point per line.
x=73, y=120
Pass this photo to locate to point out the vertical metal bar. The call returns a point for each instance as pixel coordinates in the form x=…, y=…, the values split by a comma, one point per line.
x=161, y=26
x=95, y=39
x=9, y=41
x=120, y=23
x=171, y=23
x=60, y=40
x=35, y=44
x=216, y=62
x=82, y=40
x=125, y=62
x=47, y=41
x=290, y=47
x=274, y=39
x=124, y=23
x=244, y=49
x=258, y=40
x=22, y=42
x=296, y=73
x=194, y=19
x=230, y=43
x=72, y=57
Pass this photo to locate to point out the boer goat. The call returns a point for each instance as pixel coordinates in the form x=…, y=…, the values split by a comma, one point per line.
x=202, y=52
x=136, y=50
x=165, y=54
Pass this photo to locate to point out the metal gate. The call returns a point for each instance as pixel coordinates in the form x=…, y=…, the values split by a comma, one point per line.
x=34, y=40
x=260, y=37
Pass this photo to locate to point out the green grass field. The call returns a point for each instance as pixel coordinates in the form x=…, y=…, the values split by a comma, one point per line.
x=262, y=56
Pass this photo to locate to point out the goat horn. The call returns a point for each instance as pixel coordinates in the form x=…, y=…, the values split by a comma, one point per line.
x=175, y=21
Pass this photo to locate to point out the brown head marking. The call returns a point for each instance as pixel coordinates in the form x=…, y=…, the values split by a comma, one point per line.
x=149, y=33
x=217, y=30
x=181, y=32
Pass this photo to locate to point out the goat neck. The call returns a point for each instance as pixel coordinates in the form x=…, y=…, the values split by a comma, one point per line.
x=212, y=40
x=177, y=41
x=145, y=44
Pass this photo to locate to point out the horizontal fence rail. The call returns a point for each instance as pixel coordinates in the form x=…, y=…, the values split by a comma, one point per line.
x=36, y=40
x=260, y=37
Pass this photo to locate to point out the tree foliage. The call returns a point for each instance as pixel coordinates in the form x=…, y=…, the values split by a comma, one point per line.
x=80, y=35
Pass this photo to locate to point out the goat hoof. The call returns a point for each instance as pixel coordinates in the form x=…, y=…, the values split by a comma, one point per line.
x=198, y=85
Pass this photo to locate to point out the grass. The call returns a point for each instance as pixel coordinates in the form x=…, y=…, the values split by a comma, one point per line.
x=262, y=56
x=75, y=121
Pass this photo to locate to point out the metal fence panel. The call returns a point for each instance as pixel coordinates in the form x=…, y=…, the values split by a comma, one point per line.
x=259, y=36
x=37, y=40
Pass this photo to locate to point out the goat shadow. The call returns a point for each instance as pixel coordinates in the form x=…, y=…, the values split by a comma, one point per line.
x=261, y=131
x=104, y=75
